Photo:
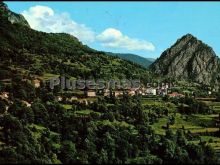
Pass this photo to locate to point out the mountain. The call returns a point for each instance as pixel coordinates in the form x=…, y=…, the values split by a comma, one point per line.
x=145, y=62
x=190, y=59
x=11, y=16
x=40, y=53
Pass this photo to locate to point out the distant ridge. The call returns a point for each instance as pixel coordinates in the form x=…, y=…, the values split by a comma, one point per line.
x=145, y=62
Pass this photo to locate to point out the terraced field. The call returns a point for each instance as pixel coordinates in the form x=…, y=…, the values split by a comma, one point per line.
x=215, y=106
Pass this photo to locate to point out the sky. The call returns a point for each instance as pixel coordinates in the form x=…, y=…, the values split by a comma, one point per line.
x=142, y=28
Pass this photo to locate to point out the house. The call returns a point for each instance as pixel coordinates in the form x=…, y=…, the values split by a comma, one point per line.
x=4, y=95
x=151, y=91
x=59, y=98
x=142, y=91
x=131, y=92
x=83, y=101
x=90, y=93
x=106, y=92
x=26, y=103
x=175, y=94
x=162, y=91
x=134, y=91
x=118, y=93
x=36, y=83
x=139, y=92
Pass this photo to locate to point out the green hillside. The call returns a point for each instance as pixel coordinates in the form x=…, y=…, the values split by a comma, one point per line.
x=41, y=53
x=144, y=62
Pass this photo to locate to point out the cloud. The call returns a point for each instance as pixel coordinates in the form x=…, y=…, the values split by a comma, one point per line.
x=44, y=18
x=113, y=38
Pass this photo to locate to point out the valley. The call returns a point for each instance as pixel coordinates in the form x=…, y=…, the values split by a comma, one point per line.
x=145, y=125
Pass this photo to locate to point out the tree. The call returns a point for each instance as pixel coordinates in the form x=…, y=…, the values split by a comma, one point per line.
x=171, y=120
x=23, y=113
x=181, y=155
x=169, y=150
x=2, y=107
x=169, y=134
x=68, y=153
x=181, y=139
x=103, y=157
x=218, y=97
x=109, y=146
x=210, y=157
x=41, y=115
x=48, y=97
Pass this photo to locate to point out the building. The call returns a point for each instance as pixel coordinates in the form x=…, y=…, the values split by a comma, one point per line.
x=106, y=92
x=175, y=94
x=59, y=98
x=26, y=103
x=134, y=91
x=91, y=93
x=118, y=93
x=4, y=95
x=83, y=101
x=151, y=91
x=36, y=83
x=162, y=91
x=131, y=92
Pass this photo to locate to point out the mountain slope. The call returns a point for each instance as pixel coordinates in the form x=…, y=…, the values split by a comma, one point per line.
x=58, y=53
x=145, y=62
x=11, y=16
x=191, y=59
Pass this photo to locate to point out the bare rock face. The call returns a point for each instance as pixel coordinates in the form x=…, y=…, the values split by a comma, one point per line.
x=190, y=59
x=5, y=13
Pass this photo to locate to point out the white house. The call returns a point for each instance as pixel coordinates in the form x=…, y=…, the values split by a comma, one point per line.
x=36, y=83
x=26, y=103
x=59, y=98
x=4, y=95
x=151, y=91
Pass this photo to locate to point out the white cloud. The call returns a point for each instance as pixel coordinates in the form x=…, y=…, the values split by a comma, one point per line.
x=113, y=38
x=44, y=18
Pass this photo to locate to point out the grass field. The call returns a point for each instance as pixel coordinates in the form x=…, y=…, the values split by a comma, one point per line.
x=84, y=112
x=39, y=130
x=194, y=123
x=214, y=105
x=211, y=140
x=118, y=124
x=48, y=76
x=67, y=106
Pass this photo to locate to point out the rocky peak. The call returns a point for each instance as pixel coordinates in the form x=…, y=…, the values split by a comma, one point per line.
x=189, y=58
x=3, y=6
x=12, y=17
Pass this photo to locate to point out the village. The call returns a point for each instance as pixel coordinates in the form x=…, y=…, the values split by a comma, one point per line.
x=159, y=91
x=88, y=95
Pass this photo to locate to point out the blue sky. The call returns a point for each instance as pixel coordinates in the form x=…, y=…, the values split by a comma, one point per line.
x=143, y=28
